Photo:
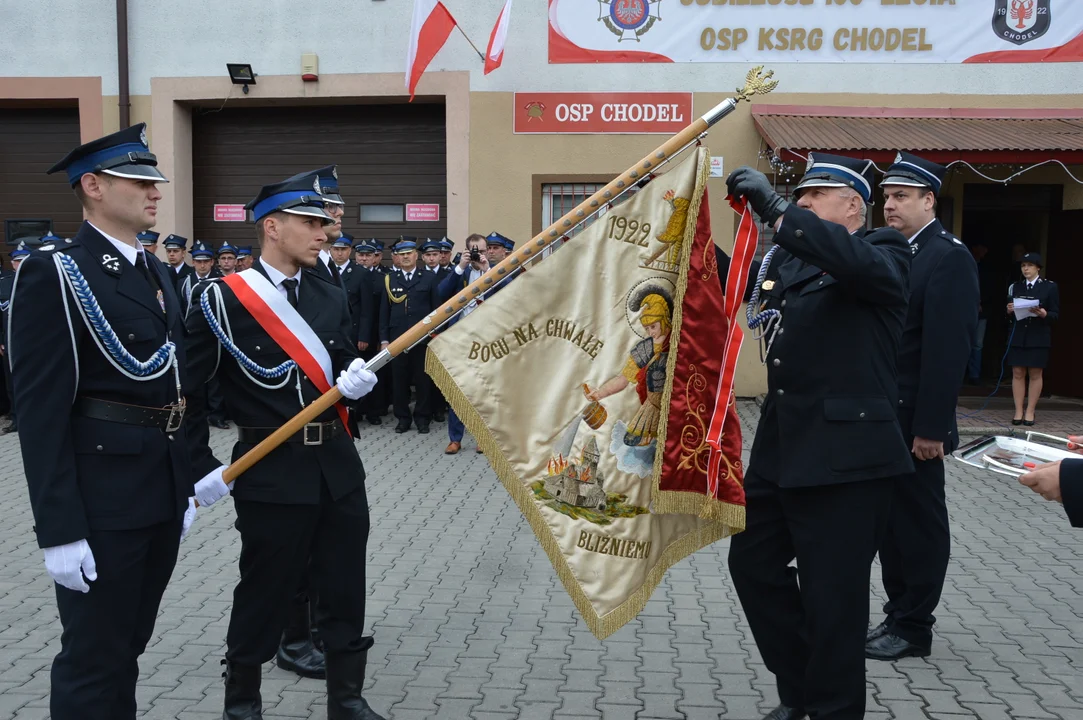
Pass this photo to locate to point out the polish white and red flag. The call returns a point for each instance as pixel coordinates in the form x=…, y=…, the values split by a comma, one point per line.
x=494, y=54
x=431, y=26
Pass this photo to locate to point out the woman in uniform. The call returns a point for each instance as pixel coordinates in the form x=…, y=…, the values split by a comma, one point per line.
x=1028, y=344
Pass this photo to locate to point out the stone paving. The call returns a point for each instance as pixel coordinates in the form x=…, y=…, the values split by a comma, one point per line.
x=471, y=622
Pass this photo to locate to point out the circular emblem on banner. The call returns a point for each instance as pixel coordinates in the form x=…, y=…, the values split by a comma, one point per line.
x=629, y=14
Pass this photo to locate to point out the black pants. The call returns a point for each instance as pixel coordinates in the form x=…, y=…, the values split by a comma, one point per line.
x=915, y=552
x=107, y=629
x=406, y=369
x=276, y=543
x=216, y=409
x=375, y=404
x=811, y=637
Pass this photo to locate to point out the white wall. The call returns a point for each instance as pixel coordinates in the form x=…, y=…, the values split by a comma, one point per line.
x=198, y=37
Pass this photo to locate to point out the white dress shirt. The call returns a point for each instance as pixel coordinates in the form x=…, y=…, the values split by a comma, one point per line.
x=276, y=277
x=128, y=252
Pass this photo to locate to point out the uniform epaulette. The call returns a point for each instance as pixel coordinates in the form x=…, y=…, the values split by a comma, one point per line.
x=948, y=236
x=53, y=247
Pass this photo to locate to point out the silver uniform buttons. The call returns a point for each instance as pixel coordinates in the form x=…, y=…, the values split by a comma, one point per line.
x=777, y=362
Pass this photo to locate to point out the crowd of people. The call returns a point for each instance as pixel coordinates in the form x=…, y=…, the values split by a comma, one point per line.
x=120, y=363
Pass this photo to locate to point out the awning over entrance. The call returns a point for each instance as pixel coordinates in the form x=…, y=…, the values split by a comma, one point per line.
x=977, y=135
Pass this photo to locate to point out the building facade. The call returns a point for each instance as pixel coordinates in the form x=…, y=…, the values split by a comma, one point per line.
x=456, y=145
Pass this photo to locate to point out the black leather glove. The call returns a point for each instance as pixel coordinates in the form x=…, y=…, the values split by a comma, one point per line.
x=760, y=193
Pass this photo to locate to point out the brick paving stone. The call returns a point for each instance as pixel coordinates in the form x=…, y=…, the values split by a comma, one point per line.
x=471, y=622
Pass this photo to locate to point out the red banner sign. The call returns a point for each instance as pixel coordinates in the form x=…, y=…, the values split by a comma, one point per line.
x=229, y=213
x=602, y=113
x=422, y=212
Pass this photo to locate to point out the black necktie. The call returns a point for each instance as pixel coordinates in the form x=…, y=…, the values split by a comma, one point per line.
x=141, y=266
x=291, y=290
x=1030, y=286
x=335, y=273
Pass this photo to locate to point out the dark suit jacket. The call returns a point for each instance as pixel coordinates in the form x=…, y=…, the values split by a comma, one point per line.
x=1071, y=489
x=370, y=286
x=88, y=474
x=291, y=473
x=830, y=412
x=1035, y=332
x=939, y=332
x=422, y=297
x=177, y=278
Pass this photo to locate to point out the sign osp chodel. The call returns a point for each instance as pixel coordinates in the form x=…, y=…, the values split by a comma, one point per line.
x=1020, y=21
x=602, y=113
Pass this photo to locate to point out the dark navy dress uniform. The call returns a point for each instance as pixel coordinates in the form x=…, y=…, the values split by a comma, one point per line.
x=117, y=472
x=7, y=285
x=404, y=303
x=182, y=271
x=940, y=326
x=305, y=500
x=1032, y=337
x=1071, y=490
x=200, y=251
x=827, y=446
x=368, y=287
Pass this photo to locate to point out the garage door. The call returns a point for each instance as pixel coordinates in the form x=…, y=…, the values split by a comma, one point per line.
x=32, y=141
x=387, y=156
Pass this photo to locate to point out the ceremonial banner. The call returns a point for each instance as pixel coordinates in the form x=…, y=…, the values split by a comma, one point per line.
x=590, y=382
x=774, y=31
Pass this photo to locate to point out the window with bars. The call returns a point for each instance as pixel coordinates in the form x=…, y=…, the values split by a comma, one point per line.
x=560, y=198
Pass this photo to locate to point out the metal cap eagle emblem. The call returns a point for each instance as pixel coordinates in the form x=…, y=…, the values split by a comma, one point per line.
x=898, y=157
x=334, y=172
x=143, y=137
x=316, y=185
x=810, y=163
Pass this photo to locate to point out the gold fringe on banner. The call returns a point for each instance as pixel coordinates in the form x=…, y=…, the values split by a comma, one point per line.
x=601, y=625
x=681, y=502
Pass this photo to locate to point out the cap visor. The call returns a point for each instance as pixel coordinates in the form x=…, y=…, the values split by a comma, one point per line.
x=133, y=171
x=905, y=181
x=336, y=199
x=310, y=211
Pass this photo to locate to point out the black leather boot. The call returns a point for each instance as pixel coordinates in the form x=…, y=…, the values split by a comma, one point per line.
x=243, y=701
x=345, y=681
x=296, y=652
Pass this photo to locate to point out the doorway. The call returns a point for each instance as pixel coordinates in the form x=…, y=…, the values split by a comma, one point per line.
x=1008, y=221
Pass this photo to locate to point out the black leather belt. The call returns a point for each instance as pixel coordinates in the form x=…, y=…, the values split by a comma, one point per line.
x=311, y=434
x=167, y=419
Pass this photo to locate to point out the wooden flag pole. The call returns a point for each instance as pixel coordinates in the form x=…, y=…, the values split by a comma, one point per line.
x=757, y=83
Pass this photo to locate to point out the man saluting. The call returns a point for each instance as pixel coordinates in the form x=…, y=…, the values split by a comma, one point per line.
x=278, y=334
x=828, y=443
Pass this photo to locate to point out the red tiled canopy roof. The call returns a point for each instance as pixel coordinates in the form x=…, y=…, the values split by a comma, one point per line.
x=939, y=134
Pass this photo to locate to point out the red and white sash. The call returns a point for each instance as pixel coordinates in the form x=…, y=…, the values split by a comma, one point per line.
x=744, y=250
x=286, y=327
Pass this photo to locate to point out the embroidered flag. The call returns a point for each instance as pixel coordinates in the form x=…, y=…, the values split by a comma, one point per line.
x=590, y=383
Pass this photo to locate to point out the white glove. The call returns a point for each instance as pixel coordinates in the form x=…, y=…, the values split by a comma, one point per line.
x=67, y=564
x=189, y=517
x=356, y=381
x=211, y=488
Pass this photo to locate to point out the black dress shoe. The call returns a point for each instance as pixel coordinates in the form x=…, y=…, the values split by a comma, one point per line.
x=402, y=427
x=439, y=417
x=375, y=420
x=876, y=632
x=423, y=428
x=892, y=647
x=783, y=712
x=220, y=424
x=1028, y=423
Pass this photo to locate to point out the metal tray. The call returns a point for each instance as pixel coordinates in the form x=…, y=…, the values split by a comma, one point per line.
x=1006, y=455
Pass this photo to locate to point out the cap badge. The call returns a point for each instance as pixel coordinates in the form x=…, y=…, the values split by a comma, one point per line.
x=334, y=172
x=811, y=162
x=143, y=137
x=898, y=157
x=316, y=185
